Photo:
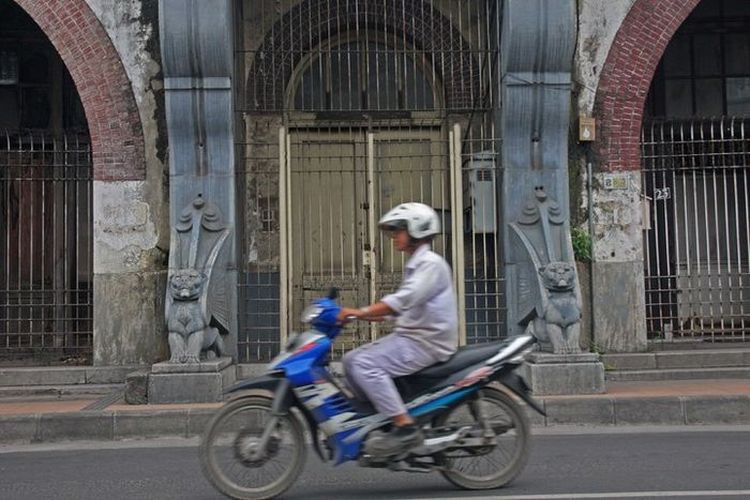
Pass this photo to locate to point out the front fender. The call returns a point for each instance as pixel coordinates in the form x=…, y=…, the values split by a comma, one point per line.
x=268, y=382
x=274, y=386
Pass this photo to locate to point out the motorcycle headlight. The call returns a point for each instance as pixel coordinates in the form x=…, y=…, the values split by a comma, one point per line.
x=310, y=313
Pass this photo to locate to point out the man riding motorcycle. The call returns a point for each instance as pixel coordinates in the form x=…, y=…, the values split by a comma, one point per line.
x=426, y=328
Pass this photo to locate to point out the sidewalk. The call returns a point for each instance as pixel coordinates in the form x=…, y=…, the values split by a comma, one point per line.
x=693, y=402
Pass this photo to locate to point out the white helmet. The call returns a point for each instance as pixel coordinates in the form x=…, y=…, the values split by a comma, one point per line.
x=419, y=220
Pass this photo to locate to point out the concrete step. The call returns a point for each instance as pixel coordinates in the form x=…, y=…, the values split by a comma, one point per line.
x=17, y=393
x=693, y=344
x=64, y=375
x=672, y=360
x=734, y=372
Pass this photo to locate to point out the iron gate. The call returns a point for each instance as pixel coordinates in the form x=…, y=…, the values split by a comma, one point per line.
x=695, y=176
x=349, y=107
x=45, y=248
x=339, y=185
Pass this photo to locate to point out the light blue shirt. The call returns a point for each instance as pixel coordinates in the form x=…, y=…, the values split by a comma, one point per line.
x=425, y=303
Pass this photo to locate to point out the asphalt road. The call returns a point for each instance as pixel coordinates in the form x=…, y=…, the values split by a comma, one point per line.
x=591, y=463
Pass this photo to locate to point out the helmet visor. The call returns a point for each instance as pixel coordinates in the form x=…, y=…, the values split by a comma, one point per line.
x=393, y=225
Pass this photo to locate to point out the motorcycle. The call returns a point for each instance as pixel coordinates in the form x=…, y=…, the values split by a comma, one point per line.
x=476, y=434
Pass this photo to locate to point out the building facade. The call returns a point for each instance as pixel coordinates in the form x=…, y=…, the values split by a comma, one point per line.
x=668, y=194
x=340, y=110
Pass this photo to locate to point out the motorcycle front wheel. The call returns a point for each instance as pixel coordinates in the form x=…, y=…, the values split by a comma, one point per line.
x=230, y=455
x=492, y=466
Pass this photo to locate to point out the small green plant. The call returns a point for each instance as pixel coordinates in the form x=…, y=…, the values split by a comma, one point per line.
x=581, y=244
x=596, y=348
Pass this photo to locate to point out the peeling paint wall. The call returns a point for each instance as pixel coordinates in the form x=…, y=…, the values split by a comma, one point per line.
x=598, y=22
x=131, y=218
x=617, y=217
x=618, y=295
x=125, y=229
x=132, y=26
x=615, y=209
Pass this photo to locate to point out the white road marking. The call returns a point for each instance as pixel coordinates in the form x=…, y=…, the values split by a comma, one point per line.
x=624, y=494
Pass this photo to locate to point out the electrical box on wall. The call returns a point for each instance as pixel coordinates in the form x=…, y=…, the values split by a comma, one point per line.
x=482, y=195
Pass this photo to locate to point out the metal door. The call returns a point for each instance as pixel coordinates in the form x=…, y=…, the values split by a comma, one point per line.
x=327, y=196
x=46, y=249
x=697, y=267
x=338, y=184
x=408, y=165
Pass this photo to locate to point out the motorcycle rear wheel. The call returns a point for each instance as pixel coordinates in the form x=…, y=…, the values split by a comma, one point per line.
x=490, y=467
x=225, y=450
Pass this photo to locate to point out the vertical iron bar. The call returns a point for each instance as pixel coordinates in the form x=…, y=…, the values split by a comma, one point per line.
x=727, y=266
x=284, y=250
x=458, y=229
x=737, y=312
x=372, y=226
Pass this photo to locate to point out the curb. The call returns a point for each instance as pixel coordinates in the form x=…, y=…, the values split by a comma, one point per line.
x=653, y=410
x=561, y=410
x=102, y=425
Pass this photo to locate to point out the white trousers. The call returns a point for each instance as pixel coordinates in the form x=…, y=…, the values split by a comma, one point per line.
x=370, y=370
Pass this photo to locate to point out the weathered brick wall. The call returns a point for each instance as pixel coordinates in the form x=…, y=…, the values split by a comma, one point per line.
x=626, y=78
x=104, y=88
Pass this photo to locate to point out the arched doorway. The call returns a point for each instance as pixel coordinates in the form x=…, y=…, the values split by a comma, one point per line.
x=666, y=107
x=115, y=134
x=370, y=166
x=46, y=270
x=348, y=110
x=695, y=144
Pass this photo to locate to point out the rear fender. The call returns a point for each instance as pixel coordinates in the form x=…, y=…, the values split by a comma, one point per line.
x=517, y=386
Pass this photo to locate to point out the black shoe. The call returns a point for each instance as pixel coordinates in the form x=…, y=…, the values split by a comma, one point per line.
x=399, y=440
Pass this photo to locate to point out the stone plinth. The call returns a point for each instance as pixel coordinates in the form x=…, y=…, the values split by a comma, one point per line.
x=557, y=374
x=202, y=382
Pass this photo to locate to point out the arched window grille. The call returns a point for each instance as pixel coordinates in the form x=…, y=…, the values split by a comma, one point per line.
x=362, y=75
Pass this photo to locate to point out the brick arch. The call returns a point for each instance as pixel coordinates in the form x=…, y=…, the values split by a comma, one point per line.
x=626, y=78
x=309, y=23
x=106, y=94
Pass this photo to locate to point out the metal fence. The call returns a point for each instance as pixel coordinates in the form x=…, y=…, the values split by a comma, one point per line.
x=45, y=248
x=695, y=176
x=346, y=109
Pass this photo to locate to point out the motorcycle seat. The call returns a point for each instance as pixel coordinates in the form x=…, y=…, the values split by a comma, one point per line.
x=465, y=356
x=417, y=383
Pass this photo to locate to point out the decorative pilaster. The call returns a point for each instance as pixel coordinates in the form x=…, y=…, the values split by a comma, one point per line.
x=197, y=55
x=537, y=45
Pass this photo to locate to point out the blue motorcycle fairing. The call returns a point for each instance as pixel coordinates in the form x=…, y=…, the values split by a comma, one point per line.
x=298, y=366
x=319, y=395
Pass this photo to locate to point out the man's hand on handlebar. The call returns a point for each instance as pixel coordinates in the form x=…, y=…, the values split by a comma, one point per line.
x=347, y=315
x=375, y=312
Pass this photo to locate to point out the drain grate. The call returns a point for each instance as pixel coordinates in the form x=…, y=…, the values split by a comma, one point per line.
x=107, y=400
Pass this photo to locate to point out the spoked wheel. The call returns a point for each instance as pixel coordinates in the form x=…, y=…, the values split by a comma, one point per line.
x=231, y=456
x=491, y=466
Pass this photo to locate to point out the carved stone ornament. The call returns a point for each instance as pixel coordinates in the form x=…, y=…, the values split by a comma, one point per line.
x=548, y=300
x=197, y=309
x=557, y=324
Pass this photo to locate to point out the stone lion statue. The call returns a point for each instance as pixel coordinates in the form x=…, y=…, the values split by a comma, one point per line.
x=189, y=330
x=558, y=324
